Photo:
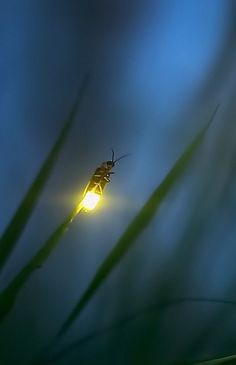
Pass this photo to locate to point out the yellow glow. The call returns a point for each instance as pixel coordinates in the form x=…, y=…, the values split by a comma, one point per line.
x=90, y=200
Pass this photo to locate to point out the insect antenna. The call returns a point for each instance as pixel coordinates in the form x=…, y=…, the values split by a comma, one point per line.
x=123, y=156
x=113, y=155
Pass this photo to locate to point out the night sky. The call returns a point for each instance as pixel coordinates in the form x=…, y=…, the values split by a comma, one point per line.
x=157, y=68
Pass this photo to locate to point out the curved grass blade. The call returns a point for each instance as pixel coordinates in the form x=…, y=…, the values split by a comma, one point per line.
x=18, y=222
x=119, y=324
x=222, y=360
x=137, y=226
x=9, y=295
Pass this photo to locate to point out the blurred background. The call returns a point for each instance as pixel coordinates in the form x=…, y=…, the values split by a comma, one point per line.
x=158, y=70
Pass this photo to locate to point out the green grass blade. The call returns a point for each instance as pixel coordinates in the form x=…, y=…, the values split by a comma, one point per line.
x=137, y=226
x=143, y=313
x=223, y=360
x=9, y=295
x=18, y=222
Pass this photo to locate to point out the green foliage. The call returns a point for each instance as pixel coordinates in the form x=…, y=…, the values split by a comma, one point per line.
x=126, y=241
x=15, y=228
x=223, y=360
x=136, y=227
x=118, y=325
x=19, y=220
x=8, y=296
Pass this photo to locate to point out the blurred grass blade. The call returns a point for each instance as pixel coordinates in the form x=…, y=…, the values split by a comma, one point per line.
x=8, y=296
x=129, y=319
x=137, y=226
x=26, y=207
x=223, y=360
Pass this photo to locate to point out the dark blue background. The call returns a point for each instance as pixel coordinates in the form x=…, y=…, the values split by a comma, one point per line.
x=158, y=69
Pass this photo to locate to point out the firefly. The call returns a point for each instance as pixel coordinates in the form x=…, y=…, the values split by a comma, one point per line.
x=94, y=189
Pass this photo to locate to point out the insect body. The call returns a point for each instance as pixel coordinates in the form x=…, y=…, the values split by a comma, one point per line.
x=102, y=175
